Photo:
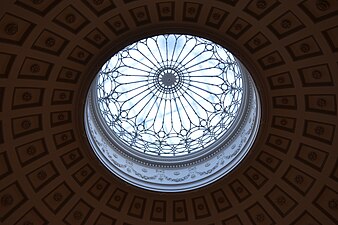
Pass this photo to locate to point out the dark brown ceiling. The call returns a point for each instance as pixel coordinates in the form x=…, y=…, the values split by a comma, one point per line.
x=50, y=52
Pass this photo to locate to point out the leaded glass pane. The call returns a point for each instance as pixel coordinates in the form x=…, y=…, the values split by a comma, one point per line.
x=171, y=94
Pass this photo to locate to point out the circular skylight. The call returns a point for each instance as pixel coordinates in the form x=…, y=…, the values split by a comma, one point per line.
x=170, y=95
x=172, y=113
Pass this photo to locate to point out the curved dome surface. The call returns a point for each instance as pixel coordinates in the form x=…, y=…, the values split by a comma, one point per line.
x=50, y=52
x=172, y=113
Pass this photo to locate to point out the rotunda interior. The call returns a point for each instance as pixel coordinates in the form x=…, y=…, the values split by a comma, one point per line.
x=52, y=50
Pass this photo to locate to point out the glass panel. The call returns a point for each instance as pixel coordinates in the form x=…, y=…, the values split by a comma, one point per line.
x=170, y=94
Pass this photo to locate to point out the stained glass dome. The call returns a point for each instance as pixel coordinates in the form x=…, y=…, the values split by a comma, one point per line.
x=163, y=106
x=170, y=95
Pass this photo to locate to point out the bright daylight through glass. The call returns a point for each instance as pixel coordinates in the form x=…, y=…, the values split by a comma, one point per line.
x=170, y=95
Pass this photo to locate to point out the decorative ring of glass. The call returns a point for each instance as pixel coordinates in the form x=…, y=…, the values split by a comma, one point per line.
x=170, y=95
x=167, y=104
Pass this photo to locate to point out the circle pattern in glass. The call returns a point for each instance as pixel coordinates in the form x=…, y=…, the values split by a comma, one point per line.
x=170, y=95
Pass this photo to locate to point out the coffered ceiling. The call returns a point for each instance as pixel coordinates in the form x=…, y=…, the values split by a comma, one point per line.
x=50, y=50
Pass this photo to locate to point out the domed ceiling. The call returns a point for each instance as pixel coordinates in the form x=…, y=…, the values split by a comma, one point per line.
x=50, y=51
